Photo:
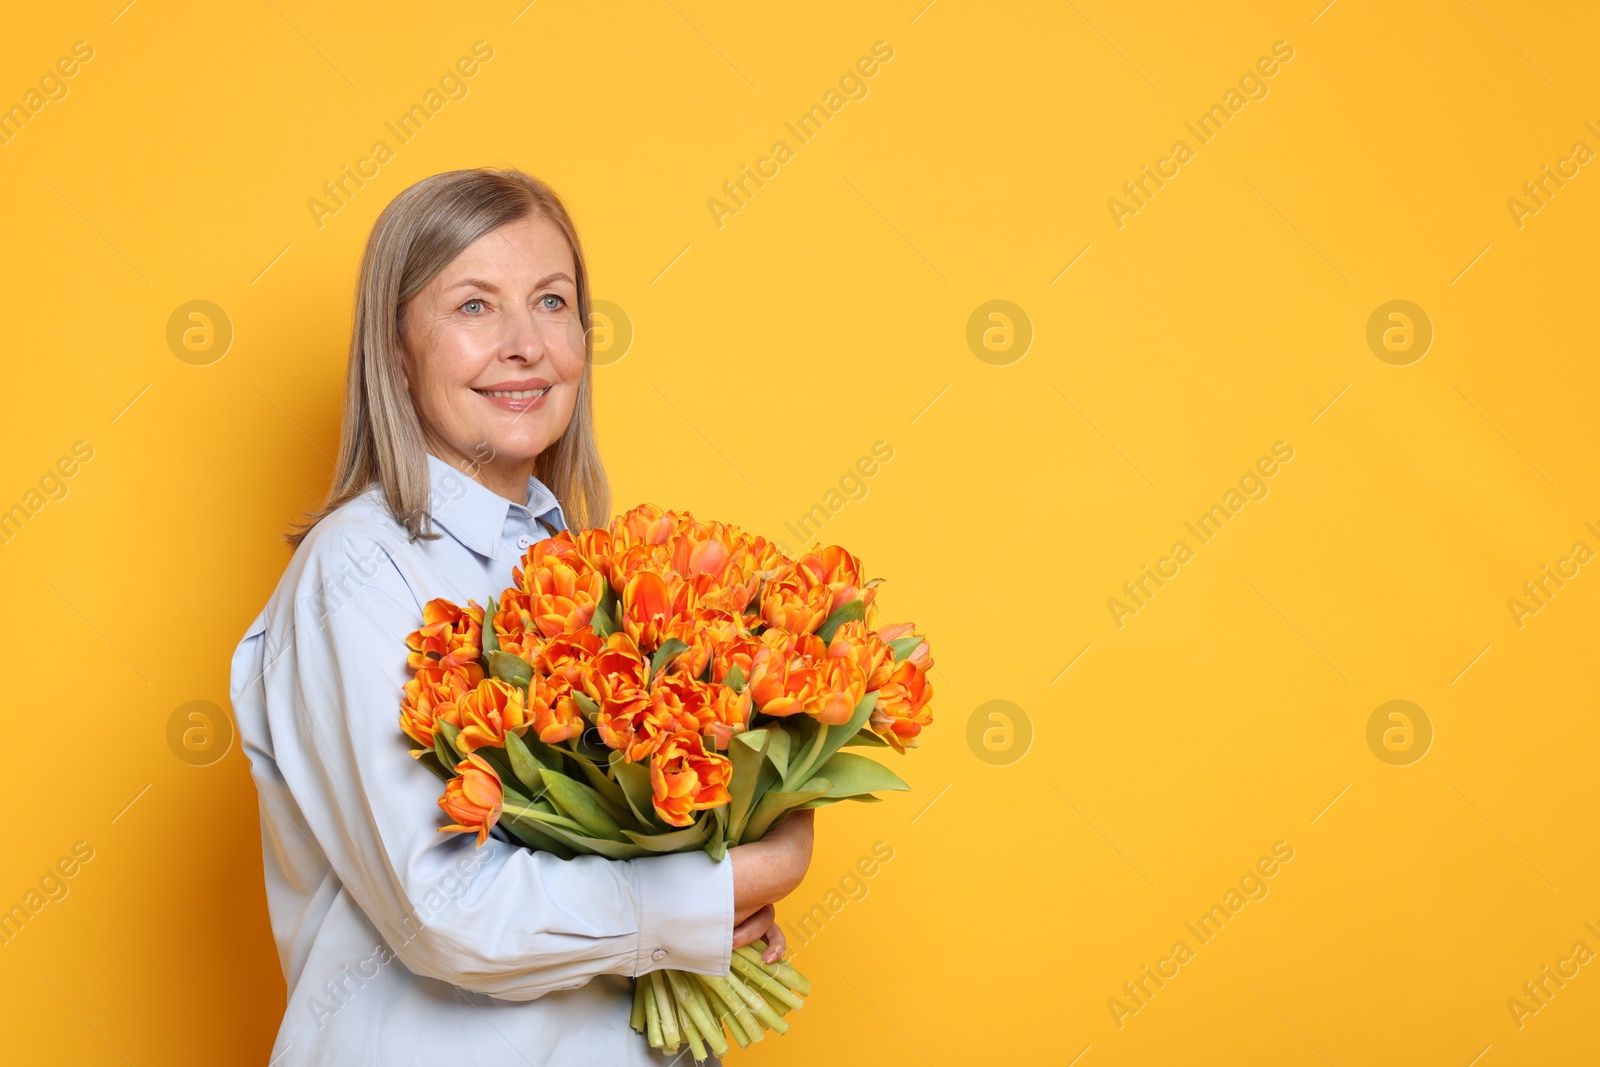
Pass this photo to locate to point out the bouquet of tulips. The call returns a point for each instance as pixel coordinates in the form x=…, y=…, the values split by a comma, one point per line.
x=661, y=685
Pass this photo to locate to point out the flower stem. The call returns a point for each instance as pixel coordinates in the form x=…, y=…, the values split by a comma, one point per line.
x=723, y=1013
x=782, y=970
x=761, y=980
x=795, y=777
x=670, y=1034
x=637, y=1019
x=699, y=1019
x=722, y=986
x=652, y=1013
x=757, y=1004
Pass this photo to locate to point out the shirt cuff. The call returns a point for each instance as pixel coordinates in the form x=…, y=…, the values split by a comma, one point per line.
x=685, y=912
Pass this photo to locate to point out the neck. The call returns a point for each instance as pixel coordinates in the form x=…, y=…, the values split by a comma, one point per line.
x=500, y=475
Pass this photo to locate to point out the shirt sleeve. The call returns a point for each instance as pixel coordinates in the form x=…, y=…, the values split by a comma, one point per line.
x=521, y=923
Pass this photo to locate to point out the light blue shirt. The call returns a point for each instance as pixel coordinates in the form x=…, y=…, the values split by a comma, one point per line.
x=400, y=944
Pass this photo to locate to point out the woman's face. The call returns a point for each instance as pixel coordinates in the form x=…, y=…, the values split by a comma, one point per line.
x=494, y=353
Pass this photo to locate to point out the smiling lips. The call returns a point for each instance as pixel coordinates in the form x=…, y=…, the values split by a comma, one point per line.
x=525, y=395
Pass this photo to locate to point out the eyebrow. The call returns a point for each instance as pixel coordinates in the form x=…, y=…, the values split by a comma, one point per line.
x=479, y=283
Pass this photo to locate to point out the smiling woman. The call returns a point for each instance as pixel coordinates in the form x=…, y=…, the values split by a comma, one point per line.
x=467, y=437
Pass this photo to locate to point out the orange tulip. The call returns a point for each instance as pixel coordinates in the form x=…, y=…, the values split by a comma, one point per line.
x=488, y=713
x=797, y=602
x=430, y=696
x=921, y=654
x=902, y=709
x=783, y=685
x=649, y=603
x=729, y=714
x=473, y=798
x=685, y=778
x=840, y=572
x=615, y=671
x=875, y=658
x=703, y=630
x=449, y=637
x=637, y=728
x=552, y=710
x=563, y=587
x=842, y=685
x=567, y=655
x=514, y=626
x=737, y=651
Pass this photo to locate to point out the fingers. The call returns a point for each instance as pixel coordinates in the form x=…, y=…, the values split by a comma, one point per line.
x=753, y=927
x=776, y=945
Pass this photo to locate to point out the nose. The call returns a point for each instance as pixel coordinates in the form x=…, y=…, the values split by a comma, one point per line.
x=524, y=336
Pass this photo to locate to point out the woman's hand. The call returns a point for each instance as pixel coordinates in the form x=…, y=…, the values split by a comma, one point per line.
x=768, y=870
x=763, y=924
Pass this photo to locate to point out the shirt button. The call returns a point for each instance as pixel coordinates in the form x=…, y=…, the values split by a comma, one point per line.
x=659, y=954
x=524, y=542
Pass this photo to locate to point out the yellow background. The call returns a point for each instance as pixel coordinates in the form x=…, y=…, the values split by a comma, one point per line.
x=828, y=313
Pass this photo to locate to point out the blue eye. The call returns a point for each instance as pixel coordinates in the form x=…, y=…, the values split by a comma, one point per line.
x=468, y=306
x=553, y=296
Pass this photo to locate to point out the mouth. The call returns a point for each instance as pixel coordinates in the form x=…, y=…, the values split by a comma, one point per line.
x=514, y=394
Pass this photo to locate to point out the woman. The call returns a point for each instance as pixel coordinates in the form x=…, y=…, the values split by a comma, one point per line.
x=467, y=435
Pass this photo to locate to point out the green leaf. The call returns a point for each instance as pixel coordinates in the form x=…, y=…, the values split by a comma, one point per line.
x=835, y=736
x=490, y=641
x=717, y=847
x=523, y=764
x=607, y=618
x=609, y=793
x=634, y=780
x=430, y=759
x=865, y=736
x=851, y=775
x=580, y=804
x=844, y=613
x=775, y=804
x=586, y=703
x=824, y=801
x=677, y=840
x=444, y=744
x=747, y=752
x=780, y=748
x=670, y=650
x=571, y=834
x=734, y=679
x=903, y=646
x=530, y=833
x=510, y=668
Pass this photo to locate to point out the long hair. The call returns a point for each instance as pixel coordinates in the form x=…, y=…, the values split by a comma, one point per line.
x=380, y=438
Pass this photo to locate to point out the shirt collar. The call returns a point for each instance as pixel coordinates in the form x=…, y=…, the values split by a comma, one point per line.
x=476, y=515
